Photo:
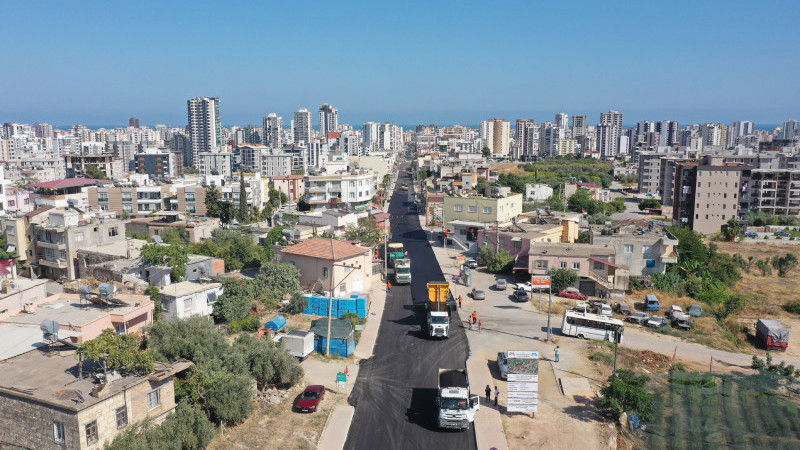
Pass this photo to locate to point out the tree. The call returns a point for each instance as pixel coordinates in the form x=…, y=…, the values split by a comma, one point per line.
x=243, y=214
x=279, y=278
x=191, y=170
x=626, y=392
x=229, y=398
x=486, y=152
x=580, y=201
x=213, y=202
x=690, y=246
x=649, y=203
x=555, y=202
x=94, y=172
x=731, y=229
x=155, y=296
x=275, y=198
x=227, y=212
x=617, y=205
x=303, y=205
x=514, y=181
x=195, y=339
x=188, y=428
x=366, y=231
x=584, y=237
x=763, y=266
x=237, y=299
x=174, y=256
x=561, y=279
x=269, y=363
x=298, y=303
x=118, y=352
x=784, y=264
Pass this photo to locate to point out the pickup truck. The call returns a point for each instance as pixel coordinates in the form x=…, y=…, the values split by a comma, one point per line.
x=681, y=321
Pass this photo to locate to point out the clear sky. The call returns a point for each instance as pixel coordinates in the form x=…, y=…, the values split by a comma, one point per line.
x=99, y=62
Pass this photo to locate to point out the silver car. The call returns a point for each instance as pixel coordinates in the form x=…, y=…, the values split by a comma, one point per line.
x=502, y=364
x=500, y=284
x=478, y=294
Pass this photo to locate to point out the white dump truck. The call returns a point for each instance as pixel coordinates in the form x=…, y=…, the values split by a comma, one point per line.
x=456, y=407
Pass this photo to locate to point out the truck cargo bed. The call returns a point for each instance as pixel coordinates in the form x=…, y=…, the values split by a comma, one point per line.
x=453, y=378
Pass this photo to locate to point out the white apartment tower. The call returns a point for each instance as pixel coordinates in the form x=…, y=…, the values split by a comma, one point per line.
x=562, y=121
x=369, y=133
x=496, y=133
x=301, y=127
x=273, y=124
x=578, y=126
x=328, y=120
x=205, y=128
x=608, y=146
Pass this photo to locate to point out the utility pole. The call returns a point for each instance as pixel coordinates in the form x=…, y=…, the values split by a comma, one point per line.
x=497, y=235
x=549, y=309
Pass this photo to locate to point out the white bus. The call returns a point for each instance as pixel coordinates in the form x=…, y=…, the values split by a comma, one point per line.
x=592, y=326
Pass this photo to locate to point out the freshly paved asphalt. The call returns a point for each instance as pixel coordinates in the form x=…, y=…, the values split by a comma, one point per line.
x=394, y=394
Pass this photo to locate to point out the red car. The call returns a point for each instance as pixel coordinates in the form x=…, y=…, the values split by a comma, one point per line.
x=573, y=294
x=310, y=398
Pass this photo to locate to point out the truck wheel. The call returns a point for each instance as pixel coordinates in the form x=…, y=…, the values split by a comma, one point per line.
x=580, y=336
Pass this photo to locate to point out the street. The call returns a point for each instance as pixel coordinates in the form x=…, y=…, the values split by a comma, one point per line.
x=394, y=395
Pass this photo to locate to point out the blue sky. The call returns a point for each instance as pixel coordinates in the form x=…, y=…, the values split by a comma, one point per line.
x=444, y=62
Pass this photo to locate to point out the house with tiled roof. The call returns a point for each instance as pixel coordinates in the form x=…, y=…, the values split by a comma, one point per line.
x=331, y=265
x=63, y=193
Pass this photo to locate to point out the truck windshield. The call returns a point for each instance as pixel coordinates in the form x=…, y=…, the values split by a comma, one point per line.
x=403, y=270
x=438, y=319
x=454, y=403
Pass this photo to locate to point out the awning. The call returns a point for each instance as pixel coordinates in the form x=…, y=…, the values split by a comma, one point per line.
x=603, y=262
x=521, y=263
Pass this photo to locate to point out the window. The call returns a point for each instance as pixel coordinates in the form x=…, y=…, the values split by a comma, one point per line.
x=517, y=244
x=91, y=432
x=58, y=433
x=12, y=203
x=324, y=272
x=473, y=208
x=113, y=231
x=190, y=196
x=458, y=208
x=562, y=264
x=352, y=196
x=127, y=208
x=102, y=196
x=541, y=264
x=122, y=417
x=78, y=237
x=576, y=266
x=153, y=399
x=187, y=304
x=645, y=249
x=598, y=266
x=487, y=209
x=628, y=248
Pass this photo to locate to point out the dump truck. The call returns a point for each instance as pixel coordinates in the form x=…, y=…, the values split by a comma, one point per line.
x=402, y=271
x=395, y=251
x=772, y=334
x=437, y=319
x=455, y=406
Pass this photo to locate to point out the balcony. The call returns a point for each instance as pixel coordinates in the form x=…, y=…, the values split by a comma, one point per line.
x=57, y=264
x=670, y=258
x=52, y=245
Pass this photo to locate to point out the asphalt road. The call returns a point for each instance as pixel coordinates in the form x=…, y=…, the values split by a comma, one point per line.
x=394, y=394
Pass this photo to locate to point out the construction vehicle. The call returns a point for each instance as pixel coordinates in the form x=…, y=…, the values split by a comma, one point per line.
x=437, y=318
x=456, y=408
x=402, y=271
x=395, y=252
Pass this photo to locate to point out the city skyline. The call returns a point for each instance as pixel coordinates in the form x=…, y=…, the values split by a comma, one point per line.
x=429, y=63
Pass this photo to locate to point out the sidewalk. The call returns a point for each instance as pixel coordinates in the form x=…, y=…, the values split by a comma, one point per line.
x=489, y=431
x=334, y=435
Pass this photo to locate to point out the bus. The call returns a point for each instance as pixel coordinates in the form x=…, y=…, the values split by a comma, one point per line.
x=592, y=326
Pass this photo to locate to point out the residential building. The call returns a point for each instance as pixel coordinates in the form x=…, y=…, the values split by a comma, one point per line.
x=566, y=147
x=189, y=298
x=537, y=192
x=640, y=245
x=159, y=164
x=197, y=228
x=56, y=241
x=215, y=163
x=465, y=215
x=328, y=120
x=791, y=130
x=496, y=134
x=562, y=121
x=18, y=200
x=774, y=191
x=275, y=164
x=134, y=200
x=76, y=165
x=205, y=127
x=598, y=274
x=293, y=186
x=608, y=132
x=273, y=126
x=17, y=294
x=707, y=193
x=301, y=127
x=597, y=193
x=521, y=135
x=353, y=189
x=331, y=265
x=578, y=127
x=63, y=193
x=337, y=220
x=518, y=238
x=192, y=200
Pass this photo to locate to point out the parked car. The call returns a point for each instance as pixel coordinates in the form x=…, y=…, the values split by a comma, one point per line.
x=695, y=310
x=751, y=234
x=582, y=308
x=526, y=286
x=310, y=398
x=673, y=310
x=638, y=317
x=604, y=310
x=651, y=302
x=521, y=295
x=502, y=364
x=500, y=284
x=656, y=321
x=478, y=294
x=623, y=308
x=782, y=234
x=573, y=294
x=681, y=321
x=471, y=263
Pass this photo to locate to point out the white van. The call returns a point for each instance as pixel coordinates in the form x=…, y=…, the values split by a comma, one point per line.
x=605, y=310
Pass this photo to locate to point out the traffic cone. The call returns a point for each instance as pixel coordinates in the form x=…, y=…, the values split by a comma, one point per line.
x=346, y=370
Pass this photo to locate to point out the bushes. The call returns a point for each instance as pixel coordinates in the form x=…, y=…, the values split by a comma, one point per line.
x=247, y=323
x=496, y=261
x=793, y=306
x=649, y=203
x=562, y=278
x=186, y=429
x=780, y=369
x=667, y=282
x=784, y=264
x=626, y=392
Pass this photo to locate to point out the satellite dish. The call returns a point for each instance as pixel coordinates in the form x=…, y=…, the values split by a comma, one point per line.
x=49, y=330
x=81, y=397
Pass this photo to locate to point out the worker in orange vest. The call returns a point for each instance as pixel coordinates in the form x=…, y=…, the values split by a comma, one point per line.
x=388, y=286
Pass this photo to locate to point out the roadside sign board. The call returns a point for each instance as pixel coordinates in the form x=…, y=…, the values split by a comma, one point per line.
x=460, y=259
x=523, y=379
x=341, y=377
x=541, y=281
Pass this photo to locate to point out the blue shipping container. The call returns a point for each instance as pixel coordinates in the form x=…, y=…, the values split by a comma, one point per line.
x=341, y=347
x=356, y=304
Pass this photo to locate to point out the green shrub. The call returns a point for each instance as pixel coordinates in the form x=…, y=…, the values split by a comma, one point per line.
x=602, y=357
x=793, y=306
x=248, y=323
x=626, y=392
x=667, y=282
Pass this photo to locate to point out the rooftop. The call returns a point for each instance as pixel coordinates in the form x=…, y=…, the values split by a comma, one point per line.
x=70, y=309
x=572, y=250
x=187, y=288
x=329, y=249
x=52, y=377
x=65, y=183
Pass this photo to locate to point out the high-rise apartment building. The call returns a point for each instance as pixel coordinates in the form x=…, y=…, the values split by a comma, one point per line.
x=205, y=128
x=791, y=129
x=706, y=193
x=496, y=133
x=273, y=124
x=328, y=120
x=578, y=126
x=668, y=132
x=741, y=128
x=133, y=122
x=562, y=120
x=301, y=127
x=612, y=129
x=521, y=136
x=370, y=133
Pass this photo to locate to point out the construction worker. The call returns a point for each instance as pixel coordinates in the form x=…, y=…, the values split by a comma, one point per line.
x=459, y=302
x=388, y=286
x=475, y=316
